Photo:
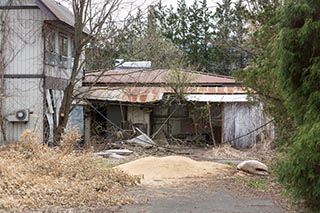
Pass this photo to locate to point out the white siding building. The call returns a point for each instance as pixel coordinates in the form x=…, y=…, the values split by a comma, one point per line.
x=36, y=45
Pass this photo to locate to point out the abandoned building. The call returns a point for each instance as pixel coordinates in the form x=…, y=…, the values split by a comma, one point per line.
x=37, y=60
x=162, y=103
x=174, y=104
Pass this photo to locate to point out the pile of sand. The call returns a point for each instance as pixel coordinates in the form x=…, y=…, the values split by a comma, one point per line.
x=160, y=168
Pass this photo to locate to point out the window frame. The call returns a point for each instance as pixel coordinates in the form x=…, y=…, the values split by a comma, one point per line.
x=63, y=50
x=51, y=55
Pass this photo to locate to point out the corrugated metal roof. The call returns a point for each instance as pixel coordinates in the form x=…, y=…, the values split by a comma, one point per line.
x=127, y=94
x=147, y=86
x=152, y=77
x=218, y=97
x=60, y=12
x=138, y=94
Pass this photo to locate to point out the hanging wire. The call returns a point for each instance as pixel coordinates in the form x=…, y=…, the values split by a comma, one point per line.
x=241, y=136
x=103, y=116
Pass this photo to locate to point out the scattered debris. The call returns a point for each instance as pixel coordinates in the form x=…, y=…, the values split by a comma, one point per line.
x=116, y=156
x=253, y=167
x=114, y=151
x=143, y=139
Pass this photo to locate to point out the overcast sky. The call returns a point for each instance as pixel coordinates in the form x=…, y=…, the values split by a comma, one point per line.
x=211, y=3
x=132, y=5
x=129, y=5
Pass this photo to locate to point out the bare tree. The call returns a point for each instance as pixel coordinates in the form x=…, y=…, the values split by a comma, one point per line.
x=90, y=18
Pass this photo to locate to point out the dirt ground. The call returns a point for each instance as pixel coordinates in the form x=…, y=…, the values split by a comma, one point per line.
x=207, y=195
x=233, y=191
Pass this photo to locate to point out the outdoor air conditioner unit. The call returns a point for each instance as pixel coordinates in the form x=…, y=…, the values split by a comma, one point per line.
x=19, y=116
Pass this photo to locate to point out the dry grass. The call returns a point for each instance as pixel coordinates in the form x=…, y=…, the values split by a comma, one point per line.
x=262, y=151
x=70, y=139
x=34, y=176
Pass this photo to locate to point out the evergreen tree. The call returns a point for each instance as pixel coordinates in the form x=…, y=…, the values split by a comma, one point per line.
x=189, y=28
x=261, y=74
x=199, y=35
x=298, y=50
x=152, y=46
x=229, y=36
x=284, y=71
x=167, y=19
x=182, y=29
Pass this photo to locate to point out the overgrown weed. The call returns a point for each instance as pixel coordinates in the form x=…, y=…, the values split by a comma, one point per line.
x=33, y=176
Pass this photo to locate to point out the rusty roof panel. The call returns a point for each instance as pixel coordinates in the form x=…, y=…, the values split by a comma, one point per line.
x=127, y=94
x=150, y=94
x=147, y=86
x=152, y=76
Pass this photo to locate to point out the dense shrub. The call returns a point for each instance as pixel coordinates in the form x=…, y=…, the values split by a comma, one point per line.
x=300, y=170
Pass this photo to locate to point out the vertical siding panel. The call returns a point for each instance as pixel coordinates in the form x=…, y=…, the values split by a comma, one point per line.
x=26, y=29
x=25, y=93
x=242, y=118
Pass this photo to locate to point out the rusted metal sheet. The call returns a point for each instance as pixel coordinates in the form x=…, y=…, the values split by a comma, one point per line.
x=126, y=76
x=145, y=86
x=140, y=94
x=152, y=76
x=127, y=94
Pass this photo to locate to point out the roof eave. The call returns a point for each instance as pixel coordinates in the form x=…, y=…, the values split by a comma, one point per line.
x=46, y=10
x=53, y=17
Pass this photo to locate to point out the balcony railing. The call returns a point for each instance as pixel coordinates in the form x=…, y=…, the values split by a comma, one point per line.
x=51, y=58
x=54, y=59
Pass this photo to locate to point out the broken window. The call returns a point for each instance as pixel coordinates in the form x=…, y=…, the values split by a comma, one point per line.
x=51, y=56
x=63, y=50
x=72, y=53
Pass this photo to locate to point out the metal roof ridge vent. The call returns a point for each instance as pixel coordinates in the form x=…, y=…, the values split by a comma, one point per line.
x=121, y=64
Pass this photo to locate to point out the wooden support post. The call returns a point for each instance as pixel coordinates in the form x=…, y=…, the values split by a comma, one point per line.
x=210, y=123
x=87, y=129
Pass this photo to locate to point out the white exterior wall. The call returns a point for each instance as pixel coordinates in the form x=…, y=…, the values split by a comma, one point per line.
x=239, y=119
x=23, y=82
x=17, y=2
x=24, y=94
x=25, y=43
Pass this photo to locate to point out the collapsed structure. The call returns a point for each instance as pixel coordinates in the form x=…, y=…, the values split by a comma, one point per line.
x=174, y=103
